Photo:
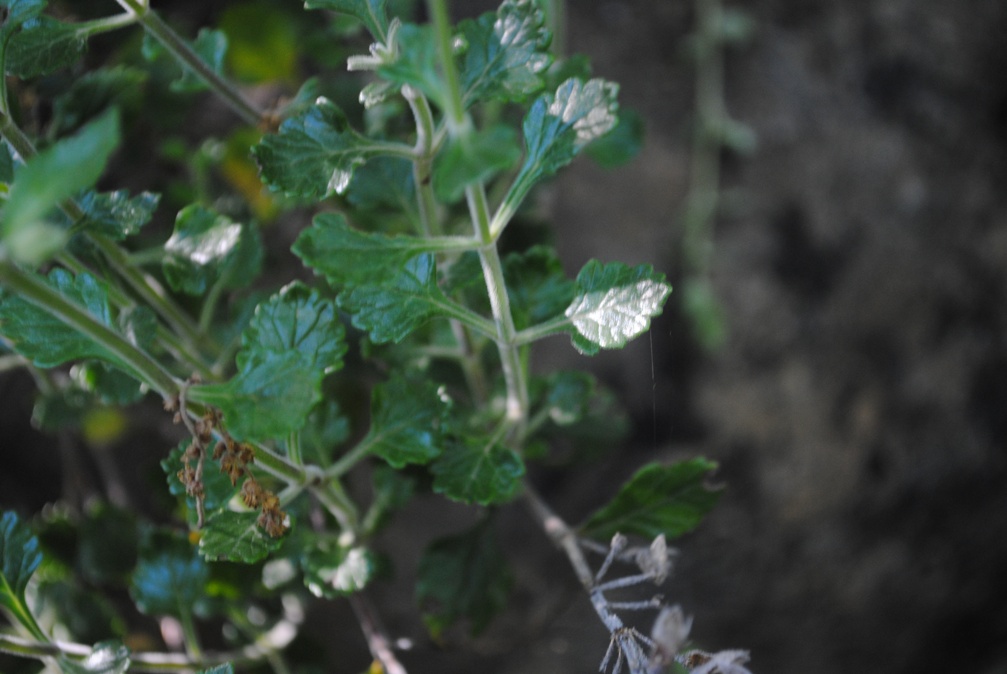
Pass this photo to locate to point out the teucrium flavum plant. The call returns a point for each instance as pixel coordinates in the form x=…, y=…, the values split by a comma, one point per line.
x=420, y=302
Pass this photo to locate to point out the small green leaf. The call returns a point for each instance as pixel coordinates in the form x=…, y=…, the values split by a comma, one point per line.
x=211, y=45
x=669, y=500
x=332, y=570
x=384, y=181
x=406, y=418
x=416, y=64
x=620, y=145
x=207, y=247
x=537, y=285
x=170, y=576
x=473, y=470
x=371, y=13
x=44, y=45
x=106, y=657
x=507, y=53
x=474, y=157
x=16, y=13
x=217, y=486
x=613, y=304
x=46, y=340
x=296, y=320
x=55, y=174
x=92, y=92
x=19, y=557
x=314, y=153
x=237, y=538
x=346, y=256
x=392, y=310
x=463, y=577
x=115, y=214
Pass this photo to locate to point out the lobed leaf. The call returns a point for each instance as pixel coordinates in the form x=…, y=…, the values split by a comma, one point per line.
x=44, y=45
x=614, y=303
x=406, y=416
x=463, y=577
x=389, y=311
x=170, y=576
x=115, y=214
x=506, y=53
x=106, y=657
x=669, y=500
x=472, y=470
x=236, y=537
x=371, y=13
x=206, y=247
x=314, y=153
x=46, y=340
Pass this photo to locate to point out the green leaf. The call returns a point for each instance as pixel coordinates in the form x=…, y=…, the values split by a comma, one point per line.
x=211, y=45
x=106, y=657
x=473, y=470
x=463, y=577
x=620, y=145
x=19, y=557
x=218, y=489
x=44, y=45
x=568, y=396
x=314, y=153
x=474, y=157
x=332, y=570
x=115, y=214
x=16, y=13
x=384, y=181
x=55, y=174
x=558, y=126
x=392, y=310
x=93, y=92
x=613, y=304
x=406, y=419
x=371, y=13
x=295, y=320
x=416, y=64
x=669, y=500
x=108, y=547
x=346, y=256
x=111, y=385
x=537, y=285
x=226, y=668
x=170, y=576
x=507, y=53
x=207, y=247
x=237, y=538
x=44, y=339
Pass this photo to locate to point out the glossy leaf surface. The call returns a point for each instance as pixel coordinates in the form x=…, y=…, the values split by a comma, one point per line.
x=116, y=215
x=206, y=247
x=332, y=570
x=106, y=657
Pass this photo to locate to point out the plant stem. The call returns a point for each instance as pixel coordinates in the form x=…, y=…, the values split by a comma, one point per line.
x=184, y=53
x=39, y=293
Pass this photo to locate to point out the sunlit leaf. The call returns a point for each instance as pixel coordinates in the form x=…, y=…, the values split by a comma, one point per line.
x=116, y=215
x=463, y=577
x=206, y=247
x=669, y=500
x=406, y=416
x=236, y=537
x=474, y=470
x=332, y=570
x=106, y=657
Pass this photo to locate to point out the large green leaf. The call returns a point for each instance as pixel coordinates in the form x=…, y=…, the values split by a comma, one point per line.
x=506, y=54
x=46, y=340
x=371, y=13
x=332, y=570
x=614, y=303
x=170, y=576
x=116, y=215
x=206, y=247
x=669, y=500
x=406, y=420
x=473, y=470
x=55, y=174
x=463, y=577
x=106, y=657
x=346, y=256
x=236, y=537
x=44, y=45
x=391, y=310
x=314, y=153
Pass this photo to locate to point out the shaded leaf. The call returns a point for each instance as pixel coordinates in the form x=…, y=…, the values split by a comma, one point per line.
x=314, y=153
x=46, y=340
x=384, y=181
x=406, y=418
x=170, y=576
x=92, y=92
x=669, y=500
x=392, y=310
x=392, y=491
x=116, y=215
x=537, y=285
x=106, y=657
x=206, y=247
x=416, y=64
x=236, y=537
x=108, y=544
x=506, y=54
x=613, y=304
x=463, y=577
x=210, y=45
x=474, y=157
x=568, y=396
x=55, y=174
x=19, y=557
x=44, y=45
x=6, y=164
x=332, y=570
x=111, y=385
x=473, y=470
x=371, y=13
x=218, y=489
